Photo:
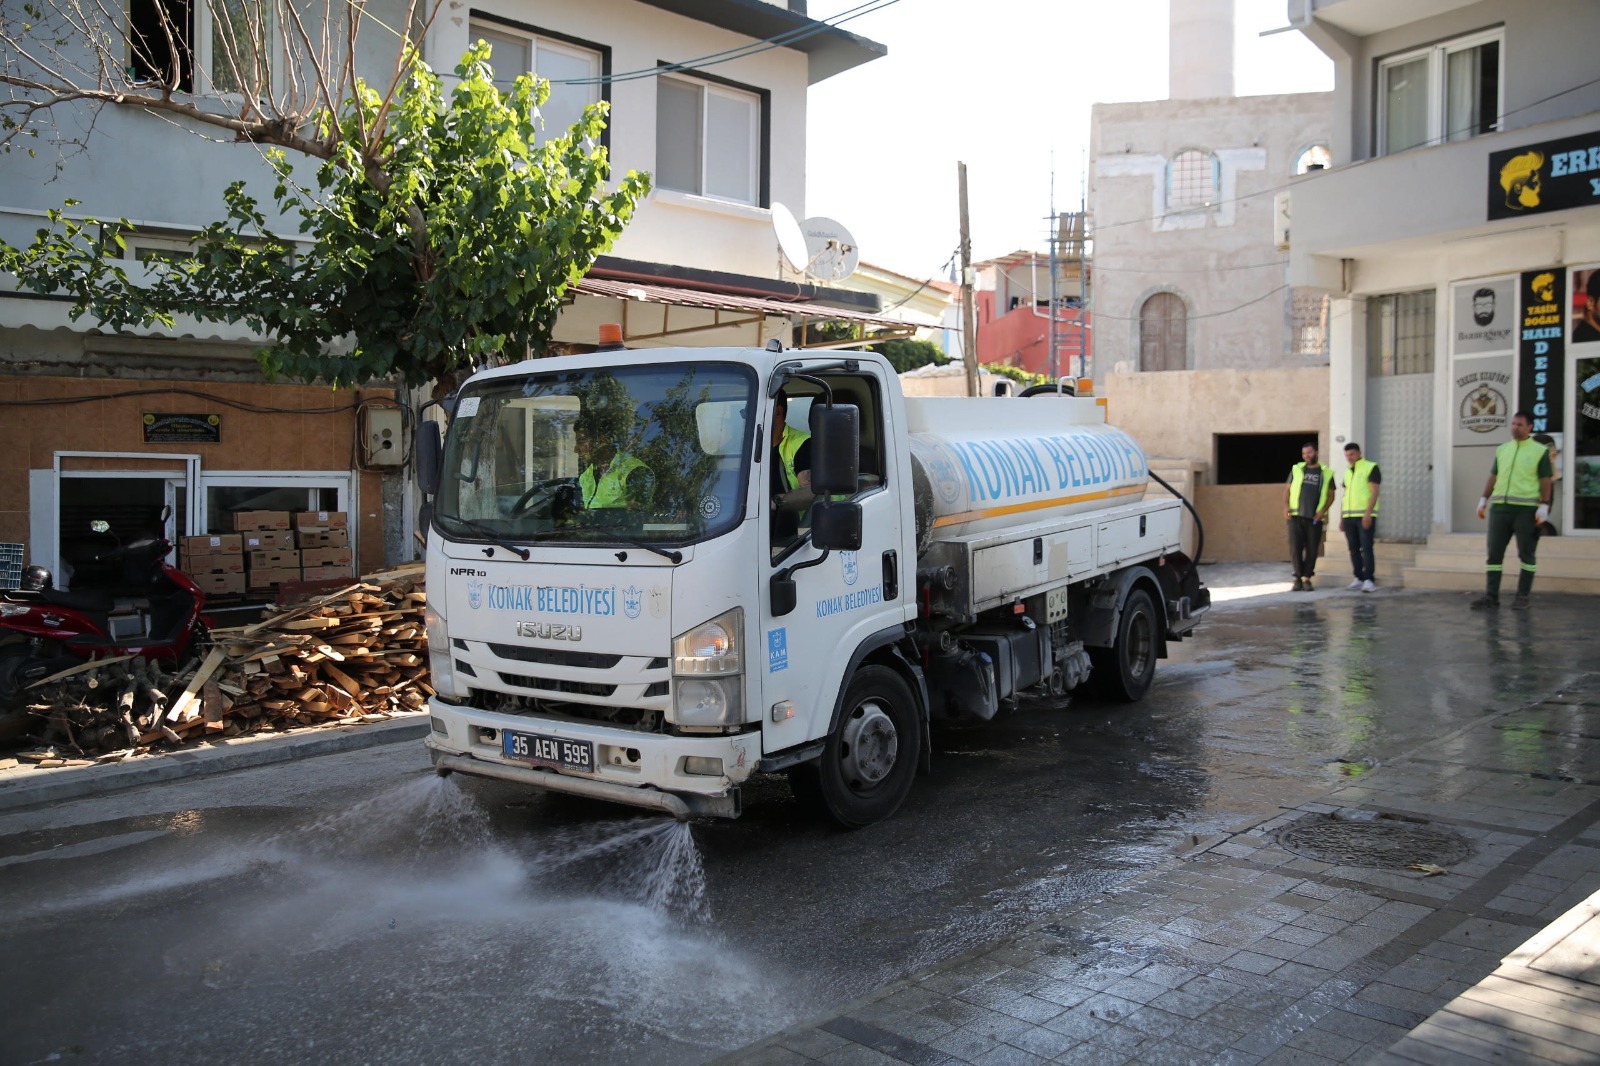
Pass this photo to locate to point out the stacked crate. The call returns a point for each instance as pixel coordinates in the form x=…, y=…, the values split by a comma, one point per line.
x=323, y=538
x=270, y=555
x=216, y=563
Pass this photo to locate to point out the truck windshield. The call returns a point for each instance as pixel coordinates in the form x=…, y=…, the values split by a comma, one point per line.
x=645, y=454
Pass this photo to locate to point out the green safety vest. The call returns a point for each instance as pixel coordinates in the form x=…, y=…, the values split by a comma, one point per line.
x=788, y=447
x=1358, y=490
x=1516, y=475
x=610, y=491
x=1298, y=477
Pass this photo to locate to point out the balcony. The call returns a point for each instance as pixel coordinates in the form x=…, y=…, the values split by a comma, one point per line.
x=1365, y=17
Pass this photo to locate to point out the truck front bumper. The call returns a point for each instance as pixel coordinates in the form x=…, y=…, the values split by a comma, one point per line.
x=646, y=770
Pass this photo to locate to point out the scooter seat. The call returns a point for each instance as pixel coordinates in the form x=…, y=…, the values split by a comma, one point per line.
x=93, y=602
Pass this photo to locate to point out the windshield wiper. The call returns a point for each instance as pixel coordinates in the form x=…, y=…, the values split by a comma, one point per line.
x=491, y=535
x=670, y=554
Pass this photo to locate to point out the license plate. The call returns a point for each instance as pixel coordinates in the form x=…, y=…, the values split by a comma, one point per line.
x=549, y=751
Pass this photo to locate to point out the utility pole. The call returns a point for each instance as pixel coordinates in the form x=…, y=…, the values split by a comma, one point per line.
x=1055, y=233
x=969, y=321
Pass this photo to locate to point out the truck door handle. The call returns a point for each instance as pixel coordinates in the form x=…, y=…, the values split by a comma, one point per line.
x=891, y=574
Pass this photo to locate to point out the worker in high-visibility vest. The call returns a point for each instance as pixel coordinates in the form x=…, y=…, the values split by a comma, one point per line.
x=790, y=476
x=1307, y=495
x=1363, y=484
x=1516, y=500
x=611, y=477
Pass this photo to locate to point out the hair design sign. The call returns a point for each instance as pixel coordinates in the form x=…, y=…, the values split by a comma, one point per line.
x=1549, y=176
x=1541, y=353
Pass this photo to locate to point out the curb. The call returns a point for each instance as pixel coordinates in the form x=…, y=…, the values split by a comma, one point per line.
x=79, y=781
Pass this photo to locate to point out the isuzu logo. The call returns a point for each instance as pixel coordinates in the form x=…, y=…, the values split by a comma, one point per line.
x=549, y=631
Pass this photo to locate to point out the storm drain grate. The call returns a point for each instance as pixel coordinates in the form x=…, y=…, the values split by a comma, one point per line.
x=1381, y=843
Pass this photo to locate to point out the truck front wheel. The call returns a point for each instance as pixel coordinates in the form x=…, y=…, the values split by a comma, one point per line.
x=869, y=761
x=1124, y=671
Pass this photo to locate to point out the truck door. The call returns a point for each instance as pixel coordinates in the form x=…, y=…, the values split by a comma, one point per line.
x=850, y=596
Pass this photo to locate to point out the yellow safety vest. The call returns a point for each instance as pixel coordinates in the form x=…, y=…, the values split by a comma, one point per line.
x=788, y=447
x=611, y=489
x=1298, y=477
x=1358, y=490
x=1516, y=472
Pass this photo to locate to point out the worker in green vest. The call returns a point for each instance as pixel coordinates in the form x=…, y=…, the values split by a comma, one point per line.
x=1363, y=484
x=1307, y=496
x=611, y=477
x=790, y=477
x=1516, y=499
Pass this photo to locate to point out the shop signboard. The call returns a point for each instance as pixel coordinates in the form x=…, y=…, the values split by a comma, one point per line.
x=1541, y=348
x=1481, y=400
x=1536, y=179
x=163, y=428
x=1485, y=317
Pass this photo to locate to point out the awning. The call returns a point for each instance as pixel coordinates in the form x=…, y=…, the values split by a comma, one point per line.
x=751, y=308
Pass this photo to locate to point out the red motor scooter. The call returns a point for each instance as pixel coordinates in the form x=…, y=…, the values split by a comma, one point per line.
x=156, y=612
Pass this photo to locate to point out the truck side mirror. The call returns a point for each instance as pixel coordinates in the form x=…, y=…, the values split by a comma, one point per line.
x=783, y=594
x=836, y=525
x=835, y=449
x=430, y=456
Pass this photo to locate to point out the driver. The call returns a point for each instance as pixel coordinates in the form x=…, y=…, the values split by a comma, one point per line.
x=611, y=476
x=790, y=463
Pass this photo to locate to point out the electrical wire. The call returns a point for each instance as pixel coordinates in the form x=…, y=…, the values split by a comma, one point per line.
x=1095, y=316
x=907, y=299
x=240, y=405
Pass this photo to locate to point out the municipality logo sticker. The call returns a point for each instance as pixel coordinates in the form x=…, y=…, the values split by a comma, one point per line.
x=852, y=570
x=475, y=594
x=632, y=601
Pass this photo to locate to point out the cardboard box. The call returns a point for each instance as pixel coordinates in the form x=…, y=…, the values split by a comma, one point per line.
x=322, y=519
x=246, y=521
x=310, y=557
x=322, y=537
x=220, y=584
x=195, y=565
x=275, y=560
x=212, y=544
x=262, y=540
x=327, y=573
x=271, y=577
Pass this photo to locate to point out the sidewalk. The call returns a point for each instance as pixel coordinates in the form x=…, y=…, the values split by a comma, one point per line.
x=1243, y=951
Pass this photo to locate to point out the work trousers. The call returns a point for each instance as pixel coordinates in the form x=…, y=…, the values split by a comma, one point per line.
x=1305, y=541
x=1359, y=540
x=1506, y=520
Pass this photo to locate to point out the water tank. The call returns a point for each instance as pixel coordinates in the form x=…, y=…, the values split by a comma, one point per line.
x=981, y=464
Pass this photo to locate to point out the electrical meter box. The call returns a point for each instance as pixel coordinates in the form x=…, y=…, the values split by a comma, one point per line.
x=381, y=436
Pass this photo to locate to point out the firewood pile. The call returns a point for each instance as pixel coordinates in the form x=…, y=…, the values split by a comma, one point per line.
x=358, y=654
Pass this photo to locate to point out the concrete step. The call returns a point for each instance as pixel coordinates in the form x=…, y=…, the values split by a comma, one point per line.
x=1554, y=547
x=1551, y=564
x=1462, y=581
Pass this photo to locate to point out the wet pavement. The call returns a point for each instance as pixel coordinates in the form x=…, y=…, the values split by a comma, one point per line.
x=354, y=908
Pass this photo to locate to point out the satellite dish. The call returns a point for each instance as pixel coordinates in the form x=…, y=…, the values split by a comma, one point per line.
x=832, y=254
x=791, y=239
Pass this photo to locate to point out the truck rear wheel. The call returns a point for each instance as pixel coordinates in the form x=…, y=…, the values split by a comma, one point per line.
x=869, y=761
x=1125, y=671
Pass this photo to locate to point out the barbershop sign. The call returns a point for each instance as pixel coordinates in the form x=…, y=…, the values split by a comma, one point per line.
x=1541, y=354
x=1549, y=176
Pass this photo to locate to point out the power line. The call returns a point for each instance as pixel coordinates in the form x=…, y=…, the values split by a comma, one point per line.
x=1095, y=316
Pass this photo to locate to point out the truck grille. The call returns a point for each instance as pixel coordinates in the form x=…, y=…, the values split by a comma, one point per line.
x=552, y=684
x=583, y=660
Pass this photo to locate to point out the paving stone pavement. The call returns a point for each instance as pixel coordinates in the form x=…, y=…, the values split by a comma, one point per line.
x=1240, y=951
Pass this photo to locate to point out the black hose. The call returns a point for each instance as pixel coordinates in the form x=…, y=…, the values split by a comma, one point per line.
x=1199, y=527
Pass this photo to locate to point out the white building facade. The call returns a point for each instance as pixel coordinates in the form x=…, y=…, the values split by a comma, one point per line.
x=1458, y=234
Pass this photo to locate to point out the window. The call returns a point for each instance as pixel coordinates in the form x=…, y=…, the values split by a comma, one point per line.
x=1192, y=180
x=1164, y=333
x=709, y=139
x=1400, y=334
x=1316, y=157
x=229, y=41
x=574, y=69
x=1310, y=338
x=1258, y=458
x=1446, y=92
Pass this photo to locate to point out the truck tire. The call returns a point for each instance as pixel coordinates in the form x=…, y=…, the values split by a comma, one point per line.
x=1124, y=671
x=869, y=761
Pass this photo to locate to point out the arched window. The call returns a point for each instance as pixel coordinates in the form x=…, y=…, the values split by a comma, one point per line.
x=1192, y=179
x=1316, y=157
x=1163, y=333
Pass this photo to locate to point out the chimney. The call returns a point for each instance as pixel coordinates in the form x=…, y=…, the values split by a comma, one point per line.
x=1200, y=42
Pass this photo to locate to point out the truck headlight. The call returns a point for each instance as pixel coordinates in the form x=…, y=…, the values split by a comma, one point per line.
x=708, y=673
x=439, y=661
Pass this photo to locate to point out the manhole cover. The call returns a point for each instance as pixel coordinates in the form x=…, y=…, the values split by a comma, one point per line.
x=1378, y=843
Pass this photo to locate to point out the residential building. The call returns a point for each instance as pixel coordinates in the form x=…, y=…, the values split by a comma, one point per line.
x=1012, y=294
x=1458, y=234
x=104, y=424
x=1205, y=351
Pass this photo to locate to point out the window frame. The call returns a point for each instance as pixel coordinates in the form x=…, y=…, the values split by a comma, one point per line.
x=1214, y=189
x=1438, y=56
x=196, y=49
x=1390, y=307
x=761, y=137
x=563, y=41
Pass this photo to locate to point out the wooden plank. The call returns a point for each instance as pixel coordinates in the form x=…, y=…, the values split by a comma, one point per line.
x=1509, y=1012
x=93, y=664
x=1522, y=1044
x=191, y=692
x=1504, y=991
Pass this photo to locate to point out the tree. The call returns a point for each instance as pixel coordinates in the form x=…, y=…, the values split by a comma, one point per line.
x=903, y=353
x=439, y=229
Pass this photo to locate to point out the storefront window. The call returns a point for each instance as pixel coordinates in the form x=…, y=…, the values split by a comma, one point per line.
x=1400, y=334
x=225, y=497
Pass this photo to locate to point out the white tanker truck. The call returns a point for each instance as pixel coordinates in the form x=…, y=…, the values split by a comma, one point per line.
x=623, y=605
